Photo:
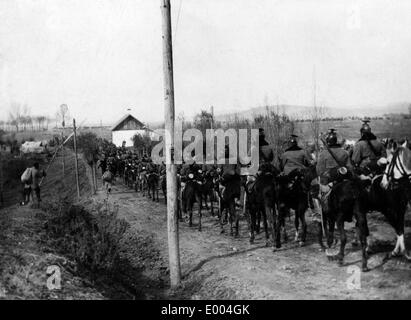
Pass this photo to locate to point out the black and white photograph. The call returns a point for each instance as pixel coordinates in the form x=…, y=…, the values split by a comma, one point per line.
x=182, y=151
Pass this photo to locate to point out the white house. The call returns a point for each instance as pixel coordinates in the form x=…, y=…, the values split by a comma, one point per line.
x=126, y=128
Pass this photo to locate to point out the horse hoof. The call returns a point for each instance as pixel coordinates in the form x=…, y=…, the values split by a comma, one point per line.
x=199, y=229
x=251, y=241
x=340, y=263
x=354, y=243
x=222, y=231
x=301, y=243
x=267, y=244
x=278, y=245
x=365, y=269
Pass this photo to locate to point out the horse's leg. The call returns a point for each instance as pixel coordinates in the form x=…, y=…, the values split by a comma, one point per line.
x=303, y=224
x=258, y=221
x=179, y=206
x=251, y=222
x=330, y=237
x=263, y=214
x=199, y=214
x=190, y=213
x=183, y=206
x=237, y=220
x=271, y=215
x=278, y=218
x=362, y=231
x=205, y=201
x=343, y=240
x=231, y=217
x=343, y=237
x=221, y=217
x=210, y=195
x=282, y=224
x=297, y=225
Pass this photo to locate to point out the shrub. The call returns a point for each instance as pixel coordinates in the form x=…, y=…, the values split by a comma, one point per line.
x=91, y=239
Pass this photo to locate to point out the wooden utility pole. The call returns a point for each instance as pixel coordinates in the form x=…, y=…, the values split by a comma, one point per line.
x=169, y=113
x=75, y=159
x=212, y=117
x=62, y=154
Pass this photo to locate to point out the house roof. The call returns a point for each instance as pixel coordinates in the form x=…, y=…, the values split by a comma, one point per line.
x=119, y=122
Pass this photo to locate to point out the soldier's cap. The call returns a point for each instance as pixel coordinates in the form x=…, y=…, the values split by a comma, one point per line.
x=365, y=126
x=293, y=136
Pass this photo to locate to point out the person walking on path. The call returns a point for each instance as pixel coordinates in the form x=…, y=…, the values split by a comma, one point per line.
x=37, y=174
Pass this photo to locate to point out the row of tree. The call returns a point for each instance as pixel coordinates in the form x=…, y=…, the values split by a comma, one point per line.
x=21, y=119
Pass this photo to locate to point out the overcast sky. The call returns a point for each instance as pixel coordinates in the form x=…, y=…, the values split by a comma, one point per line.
x=101, y=57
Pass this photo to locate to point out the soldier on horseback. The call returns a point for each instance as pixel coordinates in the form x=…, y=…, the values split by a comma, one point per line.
x=294, y=157
x=266, y=154
x=367, y=152
x=333, y=165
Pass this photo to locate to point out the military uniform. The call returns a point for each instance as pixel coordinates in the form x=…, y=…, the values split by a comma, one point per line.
x=367, y=152
x=327, y=170
x=326, y=163
x=294, y=158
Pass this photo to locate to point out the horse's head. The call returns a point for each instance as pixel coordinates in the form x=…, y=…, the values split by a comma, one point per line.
x=399, y=166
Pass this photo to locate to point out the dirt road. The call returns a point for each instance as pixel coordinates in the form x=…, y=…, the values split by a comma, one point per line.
x=217, y=266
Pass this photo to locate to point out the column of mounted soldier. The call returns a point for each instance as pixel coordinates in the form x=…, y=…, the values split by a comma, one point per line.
x=339, y=183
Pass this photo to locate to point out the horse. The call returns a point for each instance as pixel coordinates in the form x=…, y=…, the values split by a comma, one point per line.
x=293, y=194
x=189, y=195
x=207, y=189
x=152, y=185
x=262, y=202
x=255, y=209
x=390, y=193
x=345, y=201
x=163, y=184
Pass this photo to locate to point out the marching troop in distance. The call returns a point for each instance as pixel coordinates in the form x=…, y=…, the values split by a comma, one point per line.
x=340, y=183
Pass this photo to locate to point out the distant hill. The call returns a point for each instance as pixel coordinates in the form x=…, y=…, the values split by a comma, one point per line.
x=302, y=112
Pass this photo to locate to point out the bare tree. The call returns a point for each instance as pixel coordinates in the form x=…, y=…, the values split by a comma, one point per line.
x=40, y=121
x=315, y=116
x=15, y=115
